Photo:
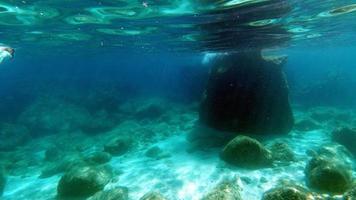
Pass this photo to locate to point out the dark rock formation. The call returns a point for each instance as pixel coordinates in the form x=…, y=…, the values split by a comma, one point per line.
x=12, y=136
x=328, y=174
x=246, y=152
x=225, y=190
x=121, y=193
x=153, y=196
x=82, y=182
x=247, y=93
x=346, y=137
x=287, y=193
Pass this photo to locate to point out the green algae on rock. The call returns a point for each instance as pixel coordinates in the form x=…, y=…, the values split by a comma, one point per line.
x=287, y=193
x=281, y=152
x=226, y=190
x=246, y=152
x=153, y=196
x=82, y=182
x=329, y=175
x=120, y=193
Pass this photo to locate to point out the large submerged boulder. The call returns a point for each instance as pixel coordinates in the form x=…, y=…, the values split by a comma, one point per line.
x=246, y=152
x=247, y=93
x=82, y=182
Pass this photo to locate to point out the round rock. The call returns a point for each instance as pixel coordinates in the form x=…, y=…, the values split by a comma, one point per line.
x=82, y=182
x=246, y=152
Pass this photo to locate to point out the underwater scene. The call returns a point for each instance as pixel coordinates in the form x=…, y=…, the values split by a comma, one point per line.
x=177, y=100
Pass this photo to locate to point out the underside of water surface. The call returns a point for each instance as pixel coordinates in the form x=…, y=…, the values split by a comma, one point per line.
x=177, y=100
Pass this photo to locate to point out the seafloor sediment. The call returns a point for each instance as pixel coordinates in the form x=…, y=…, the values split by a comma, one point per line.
x=146, y=146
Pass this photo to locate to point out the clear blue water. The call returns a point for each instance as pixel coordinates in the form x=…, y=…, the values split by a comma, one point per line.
x=84, y=70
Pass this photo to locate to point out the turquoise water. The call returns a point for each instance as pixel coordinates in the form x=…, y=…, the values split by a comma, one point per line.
x=108, y=97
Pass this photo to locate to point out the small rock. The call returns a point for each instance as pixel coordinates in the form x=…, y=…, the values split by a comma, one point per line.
x=119, y=146
x=82, y=182
x=120, y=193
x=225, y=190
x=306, y=125
x=156, y=152
x=346, y=137
x=287, y=193
x=246, y=152
x=99, y=158
x=282, y=152
x=153, y=196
